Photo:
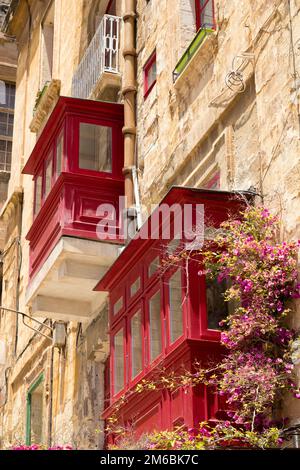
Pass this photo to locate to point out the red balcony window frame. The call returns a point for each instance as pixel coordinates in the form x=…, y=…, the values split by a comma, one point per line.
x=214, y=181
x=170, y=346
x=155, y=289
x=205, y=332
x=39, y=174
x=60, y=134
x=120, y=326
x=200, y=6
x=116, y=295
x=196, y=343
x=114, y=150
x=133, y=276
x=141, y=302
x=50, y=157
x=71, y=144
x=138, y=307
x=147, y=67
x=148, y=260
x=71, y=208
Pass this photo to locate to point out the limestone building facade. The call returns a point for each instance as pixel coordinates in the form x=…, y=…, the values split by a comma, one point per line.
x=211, y=94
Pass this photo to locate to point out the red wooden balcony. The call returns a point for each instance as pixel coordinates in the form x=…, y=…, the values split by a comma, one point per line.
x=165, y=315
x=76, y=166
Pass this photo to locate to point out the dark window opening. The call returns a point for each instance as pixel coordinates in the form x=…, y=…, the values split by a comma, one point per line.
x=216, y=307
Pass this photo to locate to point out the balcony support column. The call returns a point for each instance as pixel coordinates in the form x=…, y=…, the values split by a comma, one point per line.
x=129, y=94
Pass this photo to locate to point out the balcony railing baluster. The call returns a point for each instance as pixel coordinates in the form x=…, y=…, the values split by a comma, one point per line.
x=102, y=55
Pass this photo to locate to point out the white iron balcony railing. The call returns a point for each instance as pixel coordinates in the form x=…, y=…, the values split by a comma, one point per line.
x=102, y=55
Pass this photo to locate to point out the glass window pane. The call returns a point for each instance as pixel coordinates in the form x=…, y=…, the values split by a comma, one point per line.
x=2, y=94
x=155, y=327
x=135, y=287
x=119, y=362
x=176, y=318
x=136, y=344
x=59, y=154
x=95, y=150
x=118, y=305
x=151, y=75
x=48, y=176
x=6, y=124
x=153, y=267
x=7, y=95
x=207, y=14
x=3, y=123
x=38, y=194
x=5, y=155
x=217, y=308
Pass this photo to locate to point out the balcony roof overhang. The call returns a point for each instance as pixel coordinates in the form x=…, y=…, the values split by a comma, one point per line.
x=64, y=107
x=231, y=201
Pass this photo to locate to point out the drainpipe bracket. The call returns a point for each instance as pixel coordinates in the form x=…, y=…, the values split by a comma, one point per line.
x=129, y=89
x=129, y=130
x=127, y=170
x=128, y=15
x=130, y=51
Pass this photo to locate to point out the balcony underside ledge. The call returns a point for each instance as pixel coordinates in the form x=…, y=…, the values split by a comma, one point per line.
x=107, y=87
x=63, y=287
x=60, y=309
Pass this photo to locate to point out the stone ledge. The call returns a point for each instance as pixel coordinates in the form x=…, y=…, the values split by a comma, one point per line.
x=107, y=86
x=205, y=47
x=45, y=105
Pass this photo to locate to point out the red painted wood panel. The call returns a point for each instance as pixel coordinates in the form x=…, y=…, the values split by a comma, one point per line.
x=70, y=208
x=187, y=406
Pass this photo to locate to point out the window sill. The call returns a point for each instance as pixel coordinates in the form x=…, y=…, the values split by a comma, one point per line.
x=192, y=53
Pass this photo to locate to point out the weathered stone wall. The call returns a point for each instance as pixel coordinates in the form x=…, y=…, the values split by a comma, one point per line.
x=73, y=386
x=195, y=128
x=188, y=132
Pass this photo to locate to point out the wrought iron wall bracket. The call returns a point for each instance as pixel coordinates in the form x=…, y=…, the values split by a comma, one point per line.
x=24, y=316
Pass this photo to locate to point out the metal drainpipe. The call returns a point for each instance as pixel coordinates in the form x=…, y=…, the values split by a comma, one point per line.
x=19, y=266
x=129, y=92
x=50, y=422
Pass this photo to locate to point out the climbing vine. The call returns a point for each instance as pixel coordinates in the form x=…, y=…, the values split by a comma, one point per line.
x=259, y=368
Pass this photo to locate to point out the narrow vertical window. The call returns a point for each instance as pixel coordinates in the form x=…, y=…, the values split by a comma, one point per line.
x=136, y=344
x=119, y=362
x=150, y=73
x=59, y=154
x=153, y=267
x=95, y=149
x=35, y=413
x=176, y=317
x=135, y=287
x=118, y=305
x=38, y=194
x=155, y=326
x=216, y=307
x=7, y=103
x=48, y=175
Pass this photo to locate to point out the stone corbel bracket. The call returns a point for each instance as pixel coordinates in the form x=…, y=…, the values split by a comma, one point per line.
x=45, y=106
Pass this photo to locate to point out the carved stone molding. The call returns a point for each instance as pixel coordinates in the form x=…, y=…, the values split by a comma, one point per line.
x=45, y=105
